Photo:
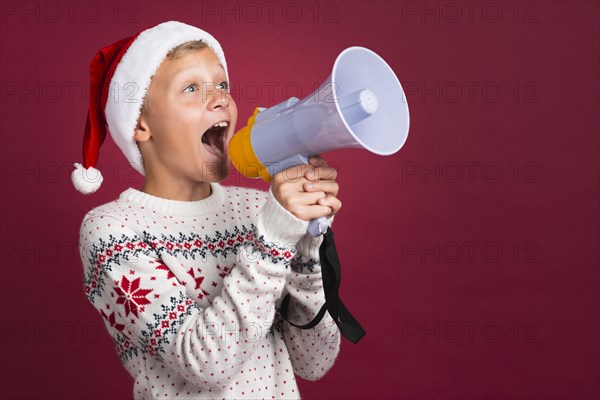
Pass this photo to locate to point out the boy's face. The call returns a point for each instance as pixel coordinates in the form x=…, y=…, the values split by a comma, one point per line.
x=187, y=97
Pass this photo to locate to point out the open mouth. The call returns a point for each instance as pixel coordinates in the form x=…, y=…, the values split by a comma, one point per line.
x=213, y=138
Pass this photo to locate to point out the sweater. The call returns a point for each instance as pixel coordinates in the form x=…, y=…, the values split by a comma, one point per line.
x=190, y=291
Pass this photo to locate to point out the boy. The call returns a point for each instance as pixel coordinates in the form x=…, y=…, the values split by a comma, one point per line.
x=188, y=274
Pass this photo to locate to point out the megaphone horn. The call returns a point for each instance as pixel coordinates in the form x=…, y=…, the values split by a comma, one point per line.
x=360, y=105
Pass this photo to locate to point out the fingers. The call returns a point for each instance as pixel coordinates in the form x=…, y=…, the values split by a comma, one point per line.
x=315, y=205
x=293, y=174
x=321, y=173
x=313, y=212
x=332, y=202
x=317, y=161
x=318, y=200
x=308, y=199
x=307, y=171
x=308, y=191
x=326, y=206
x=330, y=187
x=306, y=205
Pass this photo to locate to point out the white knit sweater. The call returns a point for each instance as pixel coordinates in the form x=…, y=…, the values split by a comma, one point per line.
x=190, y=294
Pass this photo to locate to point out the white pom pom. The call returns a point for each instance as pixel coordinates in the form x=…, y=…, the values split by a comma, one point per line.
x=86, y=180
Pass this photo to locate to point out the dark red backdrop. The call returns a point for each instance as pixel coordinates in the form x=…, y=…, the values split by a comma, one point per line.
x=470, y=256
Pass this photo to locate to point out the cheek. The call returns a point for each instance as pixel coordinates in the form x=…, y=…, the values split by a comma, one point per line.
x=180, y=126
x=233, y=112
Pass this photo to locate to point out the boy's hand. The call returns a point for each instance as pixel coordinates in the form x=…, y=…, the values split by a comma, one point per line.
x=292, y=189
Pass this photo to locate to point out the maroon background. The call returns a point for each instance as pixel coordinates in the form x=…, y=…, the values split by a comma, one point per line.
x=528, y=321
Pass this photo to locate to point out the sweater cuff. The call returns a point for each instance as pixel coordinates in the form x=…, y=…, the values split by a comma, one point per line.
x=279, y=226
x=308, y=246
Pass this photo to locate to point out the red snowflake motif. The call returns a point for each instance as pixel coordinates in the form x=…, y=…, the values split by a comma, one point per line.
x=230, y=242
x=130, y=246
x=225, y=271
x=165, y=268
x=157, y=332
x=198, y=243
x=221, y=244
x=172, y=315
x=187, y=245
x=240, y=239
x=108, y=252
x=118, y=247
x=180, y=308
x=165, y=324
x=169, y=245
x=112, y=321
x=153, y=245
x=274, y=252
x=178, y=245
x=211, y=247
x=198, y=281
x=142, y=245
x=131, y=295
x=101, y=258
x=153, y=342
x=287, y=254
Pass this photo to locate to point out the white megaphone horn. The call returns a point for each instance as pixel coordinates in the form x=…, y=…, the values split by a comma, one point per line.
x=360, y=105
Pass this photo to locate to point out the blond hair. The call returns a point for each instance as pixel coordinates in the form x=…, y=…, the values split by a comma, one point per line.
x=175, y=53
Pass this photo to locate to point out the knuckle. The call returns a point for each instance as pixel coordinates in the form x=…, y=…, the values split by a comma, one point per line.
x=291, y=174
x=315, y=185
x=287, y=199
x=278, y=178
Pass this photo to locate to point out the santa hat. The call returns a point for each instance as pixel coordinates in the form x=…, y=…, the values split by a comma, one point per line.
x=123, y=71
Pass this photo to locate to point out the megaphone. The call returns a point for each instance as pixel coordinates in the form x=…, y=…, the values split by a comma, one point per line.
x=360, y=105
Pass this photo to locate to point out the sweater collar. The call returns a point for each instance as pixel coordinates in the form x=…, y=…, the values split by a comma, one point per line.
x=177, y=207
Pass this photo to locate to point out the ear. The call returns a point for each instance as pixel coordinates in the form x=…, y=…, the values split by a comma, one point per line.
x=142, y=129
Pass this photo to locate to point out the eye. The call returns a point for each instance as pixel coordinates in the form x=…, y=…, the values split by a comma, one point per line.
x=192, y=85
x=223, y=85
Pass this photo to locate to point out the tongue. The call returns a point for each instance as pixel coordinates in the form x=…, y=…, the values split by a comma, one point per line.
x=213, y=149
x=210, y=143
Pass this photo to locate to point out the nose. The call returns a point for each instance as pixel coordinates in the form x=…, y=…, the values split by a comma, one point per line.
x=218, y=99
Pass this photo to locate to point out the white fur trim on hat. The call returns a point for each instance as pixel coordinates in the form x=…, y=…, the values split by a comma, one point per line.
x=131, y=79
x=86, y=180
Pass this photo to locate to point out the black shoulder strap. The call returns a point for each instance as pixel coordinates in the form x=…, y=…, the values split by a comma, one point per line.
x=331, y=272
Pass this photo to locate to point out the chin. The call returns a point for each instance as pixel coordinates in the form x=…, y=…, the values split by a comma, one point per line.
x=215, y=171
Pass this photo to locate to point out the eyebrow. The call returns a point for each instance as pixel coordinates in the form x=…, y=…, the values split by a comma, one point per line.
x=188, y=68
x=176, y=79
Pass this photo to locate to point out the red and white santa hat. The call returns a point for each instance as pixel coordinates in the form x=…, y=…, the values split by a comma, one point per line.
x=119, y=80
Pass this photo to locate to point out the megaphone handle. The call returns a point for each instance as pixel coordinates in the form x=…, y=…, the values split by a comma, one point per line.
x=318, y=226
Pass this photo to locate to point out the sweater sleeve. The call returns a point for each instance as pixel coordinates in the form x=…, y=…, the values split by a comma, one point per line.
x=312, y=351
x=152, y=311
